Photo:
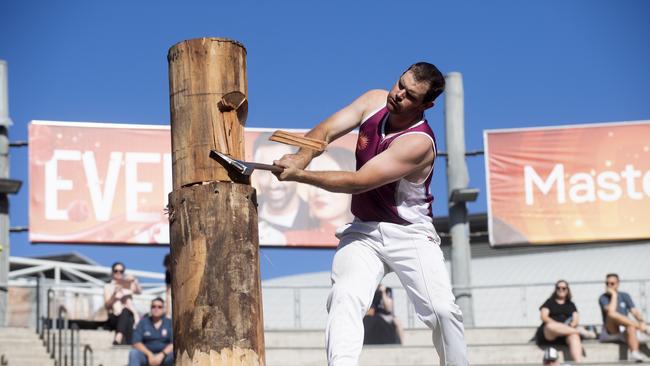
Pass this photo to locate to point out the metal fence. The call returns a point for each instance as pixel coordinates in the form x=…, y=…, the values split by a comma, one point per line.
x=515, y=305
x=304, y=307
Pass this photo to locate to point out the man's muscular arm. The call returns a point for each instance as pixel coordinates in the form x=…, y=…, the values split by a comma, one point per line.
x=404, y=157
x=335, y=126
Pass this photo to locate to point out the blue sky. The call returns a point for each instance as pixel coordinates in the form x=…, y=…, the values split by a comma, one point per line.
x=524, y=64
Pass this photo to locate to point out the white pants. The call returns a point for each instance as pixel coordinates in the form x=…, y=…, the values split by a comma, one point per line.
x=366, y=252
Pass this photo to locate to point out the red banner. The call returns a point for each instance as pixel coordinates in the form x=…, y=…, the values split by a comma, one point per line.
x=108, y=184
x=572, y=184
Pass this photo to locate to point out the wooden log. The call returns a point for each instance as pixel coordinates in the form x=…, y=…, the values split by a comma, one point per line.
x=207, y=89
x=217, y=311
x=217, y=307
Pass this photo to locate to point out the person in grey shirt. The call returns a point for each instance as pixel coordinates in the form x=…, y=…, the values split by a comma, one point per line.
x=616, y=307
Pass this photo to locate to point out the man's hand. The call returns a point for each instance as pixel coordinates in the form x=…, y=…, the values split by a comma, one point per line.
x=290, y=173
x=156, y=359
x=610, y=290
x=298, y=161
x=643, y=327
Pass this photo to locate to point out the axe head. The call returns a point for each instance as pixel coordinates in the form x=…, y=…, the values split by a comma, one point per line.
x=237, y=165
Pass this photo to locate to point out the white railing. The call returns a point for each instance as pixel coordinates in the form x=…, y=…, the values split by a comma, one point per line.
x=303, y=307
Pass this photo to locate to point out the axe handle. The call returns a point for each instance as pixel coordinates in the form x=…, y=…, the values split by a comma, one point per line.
x=269, y=167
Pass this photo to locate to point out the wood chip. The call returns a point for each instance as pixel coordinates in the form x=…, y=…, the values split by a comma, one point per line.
x=297, y=140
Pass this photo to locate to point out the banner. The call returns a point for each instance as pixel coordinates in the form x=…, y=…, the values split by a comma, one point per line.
x=108, y=184
x=572, y=184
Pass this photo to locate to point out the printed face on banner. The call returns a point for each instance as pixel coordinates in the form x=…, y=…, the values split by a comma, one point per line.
x=569, y=184
x=108, y=183
x=298, y=214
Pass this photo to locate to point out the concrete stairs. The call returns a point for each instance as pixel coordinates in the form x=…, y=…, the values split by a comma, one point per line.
x=22, y=347
x=486, y=347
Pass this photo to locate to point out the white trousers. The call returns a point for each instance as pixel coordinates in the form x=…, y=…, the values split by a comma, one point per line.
x=366, y=252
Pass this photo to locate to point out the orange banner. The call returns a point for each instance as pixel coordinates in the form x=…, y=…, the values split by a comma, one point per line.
x=108, y=184
x=571, y=184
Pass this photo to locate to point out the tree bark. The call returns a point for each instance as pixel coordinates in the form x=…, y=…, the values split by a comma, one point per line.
x=217, y=302
x=217, y=305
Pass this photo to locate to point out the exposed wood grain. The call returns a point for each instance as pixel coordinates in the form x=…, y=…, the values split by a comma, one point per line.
x=201, y=73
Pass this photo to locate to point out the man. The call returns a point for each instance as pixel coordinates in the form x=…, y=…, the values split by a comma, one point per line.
x=281, y=207
x=616, y=306
x=393, y=227
x=380, y=324
x=152, y=338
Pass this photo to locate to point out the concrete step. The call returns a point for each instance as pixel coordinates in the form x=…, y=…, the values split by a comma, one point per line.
x=412, y=337
x=419, y=355
x=21, y=346
x=117, y=356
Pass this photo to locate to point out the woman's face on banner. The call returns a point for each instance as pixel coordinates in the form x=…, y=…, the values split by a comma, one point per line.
x=326, y=205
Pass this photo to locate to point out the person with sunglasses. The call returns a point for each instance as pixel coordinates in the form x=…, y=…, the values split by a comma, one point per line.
x=616, y=306
x=118, y=300
x=152, y=340
x=560, y=322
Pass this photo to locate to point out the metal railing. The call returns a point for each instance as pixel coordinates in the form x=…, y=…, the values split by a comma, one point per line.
x=511, y=305
x=62, y=340
x=303, y=307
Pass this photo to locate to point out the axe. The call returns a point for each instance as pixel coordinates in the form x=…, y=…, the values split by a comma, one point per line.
x=244, y=167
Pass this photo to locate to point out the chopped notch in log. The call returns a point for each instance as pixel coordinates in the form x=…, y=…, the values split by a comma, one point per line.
x=236, y=101
x=297, y=140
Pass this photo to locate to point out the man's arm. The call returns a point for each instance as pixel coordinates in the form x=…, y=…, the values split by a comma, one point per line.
x=639, y=317
x=613, y=302
x=335, y=126
x=168, y=349
x=141, y=347
x=402, y=158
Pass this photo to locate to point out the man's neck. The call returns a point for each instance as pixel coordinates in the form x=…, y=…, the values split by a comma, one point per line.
x=397, y=123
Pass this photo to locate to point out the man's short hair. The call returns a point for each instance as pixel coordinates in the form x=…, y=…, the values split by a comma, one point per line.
x=613, y=275
x=118, y=264
x=426, y=72
x=158, y=299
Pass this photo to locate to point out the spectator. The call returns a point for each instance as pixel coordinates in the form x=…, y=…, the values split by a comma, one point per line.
x=118, y=300
x=560, y=322
x=152, y=339
x=380, y=324
x=616, y=306
x=167, y=262
x=281, y=208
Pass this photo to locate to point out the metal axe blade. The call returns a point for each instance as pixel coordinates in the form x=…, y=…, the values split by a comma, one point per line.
x=244, y=167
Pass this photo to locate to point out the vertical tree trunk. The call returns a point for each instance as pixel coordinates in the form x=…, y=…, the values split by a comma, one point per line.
x=217, y=309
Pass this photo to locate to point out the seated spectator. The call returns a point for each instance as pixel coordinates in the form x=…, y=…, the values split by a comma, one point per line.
x=616, y=306
x=118, y=300
x=152, y=339
x=380, y=324
x=560, y=322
